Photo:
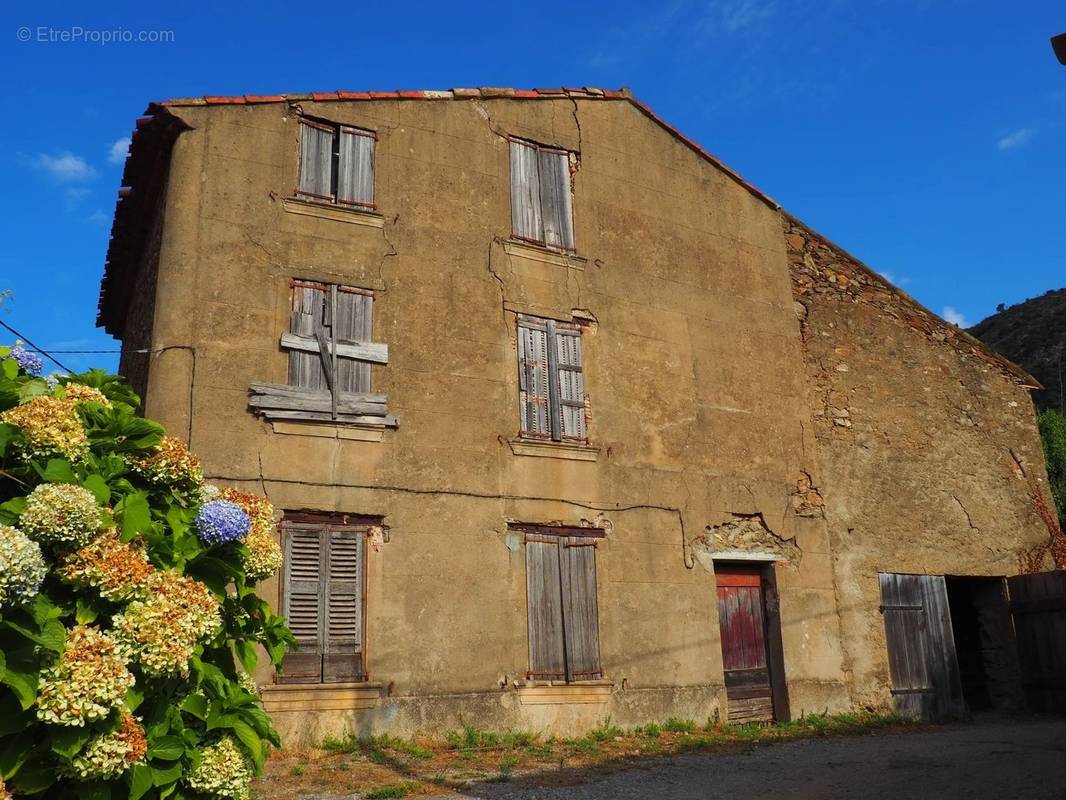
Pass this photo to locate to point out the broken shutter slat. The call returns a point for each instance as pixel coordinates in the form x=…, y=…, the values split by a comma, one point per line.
x=305, y=368
x=316, y=161
x=547, y=655
x=525, y=192
x=577, y=568
x=285, y=390
x=355, y=168
x=354, y=325
x=303, y=588
x=555, y=201
x=375, y=352
x=571, y=408
x=554, y=403
x=344, y=627
x=533, y=379
x=318, y=402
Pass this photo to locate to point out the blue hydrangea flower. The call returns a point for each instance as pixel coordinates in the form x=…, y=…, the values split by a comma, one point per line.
x=30, y=362
x=221, y=521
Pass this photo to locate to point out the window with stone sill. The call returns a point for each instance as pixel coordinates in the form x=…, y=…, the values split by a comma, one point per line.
x=541, y=204
x=336, y=164
x=551, y=381
x=331, y=351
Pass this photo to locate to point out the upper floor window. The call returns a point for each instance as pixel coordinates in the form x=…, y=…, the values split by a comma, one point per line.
x=336, y=164
x=323, y=597
x=541, y=209
x=551, y=381
x=330, y=353
x=562, y=607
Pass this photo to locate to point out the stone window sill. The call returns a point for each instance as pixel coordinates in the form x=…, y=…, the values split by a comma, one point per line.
x=540, y=448
x=353, y=432
x=544, y=254
x=541, y=693
x=321, y=696
x=355, y=216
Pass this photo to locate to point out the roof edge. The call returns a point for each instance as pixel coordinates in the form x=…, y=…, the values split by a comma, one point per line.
x=1019, y=373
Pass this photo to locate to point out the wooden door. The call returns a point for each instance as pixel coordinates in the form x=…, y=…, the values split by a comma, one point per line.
x=921, y=646
x=742, y=619
x=1038, y=604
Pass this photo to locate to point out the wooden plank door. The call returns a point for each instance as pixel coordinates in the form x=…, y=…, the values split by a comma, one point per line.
x=921, y=646
x=742, y=619
x=1038, y=605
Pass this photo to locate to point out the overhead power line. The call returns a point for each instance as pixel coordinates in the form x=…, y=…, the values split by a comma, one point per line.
x=37, y=349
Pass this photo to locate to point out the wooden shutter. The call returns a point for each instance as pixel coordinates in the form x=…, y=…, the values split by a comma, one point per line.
x=547, y=650
x=555, y=201
x=316, y=160
x=355, y=167
x=570, y=407
x=354, y=323
x=303, y=589
x=343, y=656
x=526, y=219
x=533, y=387
x=577, y=567
x=308, y=314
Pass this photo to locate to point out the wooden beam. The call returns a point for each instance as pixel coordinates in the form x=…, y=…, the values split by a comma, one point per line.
x=317, y=403
x=373, y=352
x=284, y=390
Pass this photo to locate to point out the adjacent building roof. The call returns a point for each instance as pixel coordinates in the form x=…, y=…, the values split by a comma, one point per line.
x=156, y=131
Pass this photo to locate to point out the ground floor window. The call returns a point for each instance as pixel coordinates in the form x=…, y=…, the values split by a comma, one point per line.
x=562, y=607
x=323, y=595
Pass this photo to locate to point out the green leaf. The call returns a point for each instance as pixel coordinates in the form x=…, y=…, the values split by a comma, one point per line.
x=59, y=471
x=134, y=698
x=52, y=635
x=166, y=775
x=13, y=753
x=83, y=612
x=140, y=780
x=7, y=433
x=195, y=704
x=10, y=367
x=166, y=747
x=22, y=682
x=251, y=741
x=68, y=741
x=12, y=720
x=98, y=486
x=135, y=514
x=246, y=653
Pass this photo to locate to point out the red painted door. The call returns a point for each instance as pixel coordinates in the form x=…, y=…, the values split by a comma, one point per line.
x=743, y=632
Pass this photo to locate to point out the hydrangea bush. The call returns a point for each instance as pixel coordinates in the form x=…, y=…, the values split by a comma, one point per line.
x=129, y=621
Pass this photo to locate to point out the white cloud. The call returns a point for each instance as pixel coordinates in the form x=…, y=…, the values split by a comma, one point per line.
x=98, y=217
x=1017, y=138
x=116, y=154
x=954, y=317
x=64, y=166
x=74, y=195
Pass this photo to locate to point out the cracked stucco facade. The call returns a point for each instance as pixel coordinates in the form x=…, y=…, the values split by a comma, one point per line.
x=704, y=408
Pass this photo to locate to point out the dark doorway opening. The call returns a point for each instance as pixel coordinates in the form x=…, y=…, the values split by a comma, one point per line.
x=984, y=644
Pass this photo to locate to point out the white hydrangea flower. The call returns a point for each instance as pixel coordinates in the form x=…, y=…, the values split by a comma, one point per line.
x=60, y=513
x=224, y=771
x=22, y=567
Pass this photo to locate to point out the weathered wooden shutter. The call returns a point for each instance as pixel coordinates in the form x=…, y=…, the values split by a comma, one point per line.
x=921, y=646
x=526, y=219
x=308, y=314
x=303, y=586
x=577, y=567
x=354, y=322
x=355, y=167
x=547, y=649
x=570, y=405
x=343, y=657
x=533, y=387
x=1038, y=603
x=555, y=200
x=316, y=160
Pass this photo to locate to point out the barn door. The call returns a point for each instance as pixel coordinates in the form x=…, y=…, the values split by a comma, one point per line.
x=742, y=618
x=1038, y=604
x=921, y=646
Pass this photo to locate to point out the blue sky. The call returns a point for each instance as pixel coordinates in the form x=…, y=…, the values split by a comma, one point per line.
x=928, y=137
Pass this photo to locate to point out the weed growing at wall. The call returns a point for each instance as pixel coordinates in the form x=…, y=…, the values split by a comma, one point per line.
x=128, y=615
x=1053, y=435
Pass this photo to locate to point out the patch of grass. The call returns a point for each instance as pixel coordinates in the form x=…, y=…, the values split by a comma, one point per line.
x=297, y=770
x=586, y=745
x=675, y=725
x=392, y=790
x=605, y=732
x=651, y=731
x=471, y=738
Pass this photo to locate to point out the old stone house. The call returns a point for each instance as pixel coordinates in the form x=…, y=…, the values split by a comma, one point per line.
x=568, y=420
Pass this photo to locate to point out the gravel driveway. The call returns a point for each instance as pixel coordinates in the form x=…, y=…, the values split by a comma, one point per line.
x=997, y=759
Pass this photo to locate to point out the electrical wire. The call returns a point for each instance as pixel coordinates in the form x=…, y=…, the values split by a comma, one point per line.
x=37, y=349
